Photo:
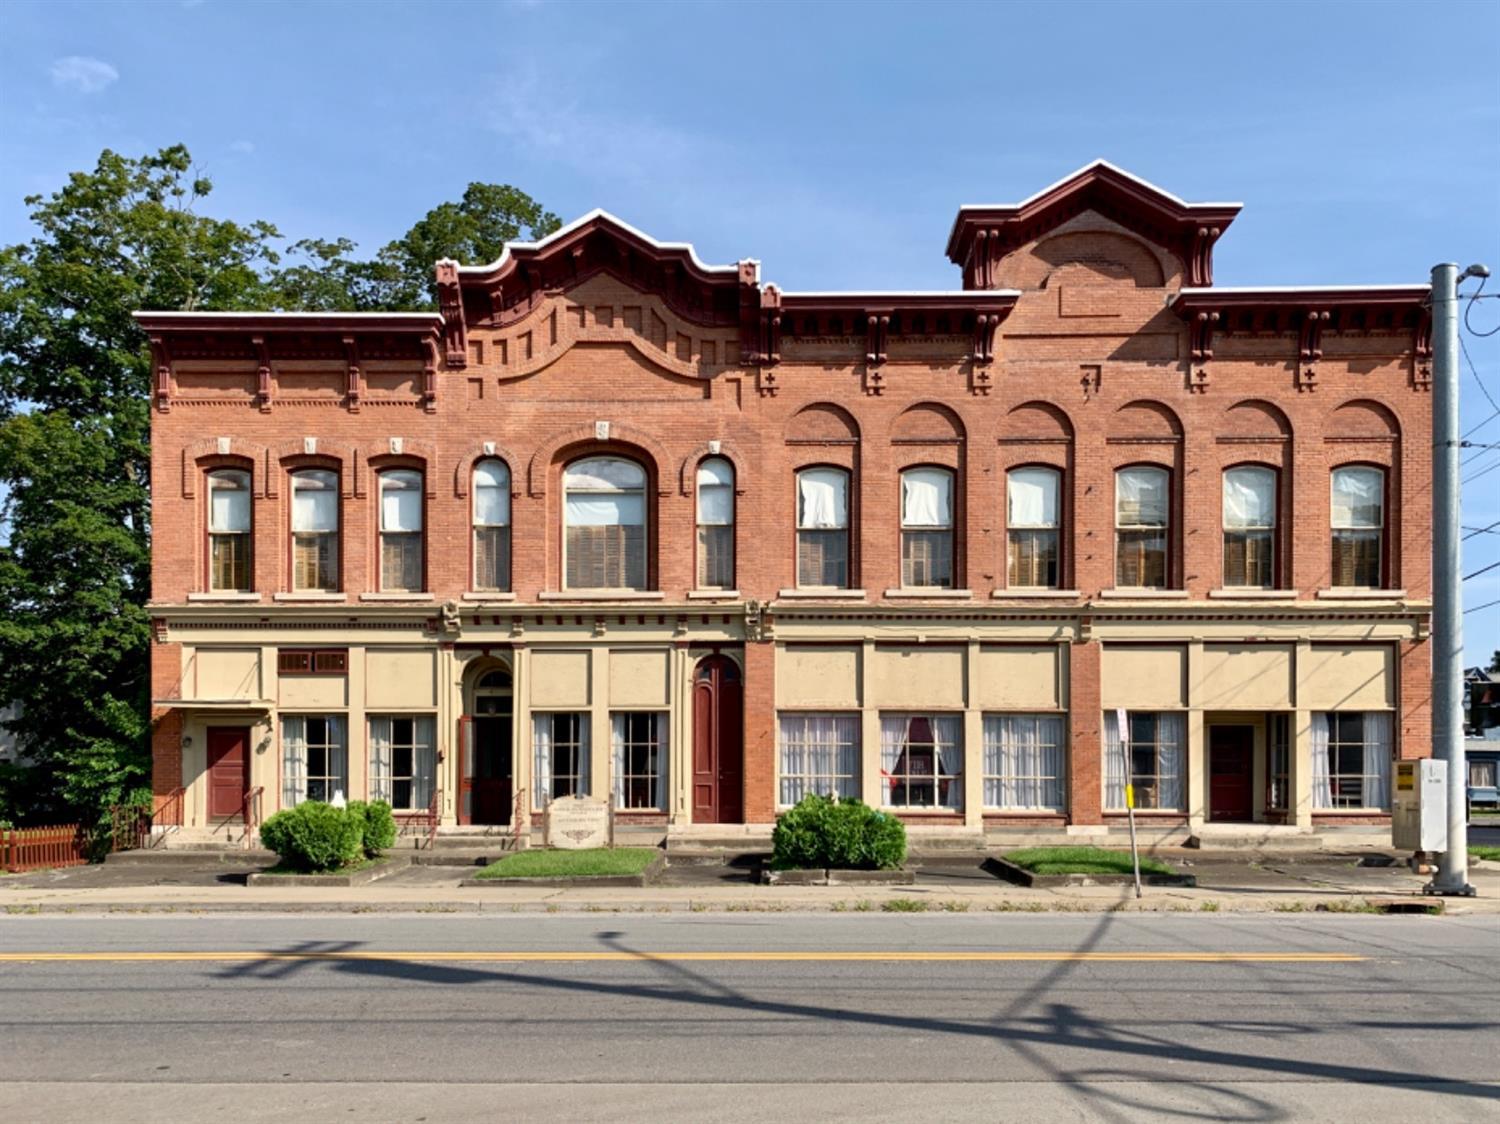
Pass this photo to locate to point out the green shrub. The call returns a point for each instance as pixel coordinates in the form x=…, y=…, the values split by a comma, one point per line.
x=822, y=831
x=378, y=823
x=315, y=836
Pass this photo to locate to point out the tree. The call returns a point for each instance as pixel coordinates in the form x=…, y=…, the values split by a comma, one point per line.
x=1494, y=663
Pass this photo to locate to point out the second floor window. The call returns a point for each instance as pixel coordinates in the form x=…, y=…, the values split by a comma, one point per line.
x=1032, y=525
x=823, y=528
x=401, y=531
x=1250, y=528
x=927, y=528
x=315, y=530
x=715, y=524
x=1142, y=506
x=492, y=526
x=604, y=517
x=229, y=531
x=1358, y=526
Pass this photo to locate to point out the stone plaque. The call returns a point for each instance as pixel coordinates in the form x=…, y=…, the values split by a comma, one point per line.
x=576, y=822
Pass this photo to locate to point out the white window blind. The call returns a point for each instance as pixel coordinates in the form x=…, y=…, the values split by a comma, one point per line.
x=229, y=503
x=715, y=493
x=1249, y=498
x=822, y=499
x=1358, y=497
x=1141, y=497
x=1031, y=497
x=401, y=501
x=492, y=494
x=315, y=502
x=926, y=498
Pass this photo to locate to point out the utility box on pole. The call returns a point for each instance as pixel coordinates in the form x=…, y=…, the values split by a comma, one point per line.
x=1419, y=806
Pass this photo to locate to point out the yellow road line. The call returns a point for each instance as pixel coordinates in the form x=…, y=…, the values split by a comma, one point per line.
x=524, y=957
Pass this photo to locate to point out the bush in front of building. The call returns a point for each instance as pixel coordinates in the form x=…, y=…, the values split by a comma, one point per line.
x=315, y=836
x=823, y=832
x=377, y=822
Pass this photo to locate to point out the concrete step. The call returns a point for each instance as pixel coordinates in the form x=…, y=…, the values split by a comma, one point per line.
x=191, y=856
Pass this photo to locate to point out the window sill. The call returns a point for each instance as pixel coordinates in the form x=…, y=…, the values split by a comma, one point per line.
x=1143, y=594
x=713, y=595
x=395, y=597
x=1029, y=593
x=1360, y=595
x=821, y=594
x=225, y=596
x=937, y=594
x=309, y=595
x=601, y=595
x=488, y=595
x=1250, y=594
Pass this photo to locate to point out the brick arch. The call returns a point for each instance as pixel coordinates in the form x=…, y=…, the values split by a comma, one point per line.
x=351, y=482
x=231, y=448
x=1145, y=419
x=1255, y=418
x=1039, y=421
x=687, y=471
x=619, y=434
x=930, y=422
x=415, y=452
x=463, y=471
x=822, y=421
x=1360, y=417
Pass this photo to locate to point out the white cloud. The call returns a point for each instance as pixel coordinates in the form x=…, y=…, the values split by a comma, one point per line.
x=243, y=147
x=84, y=74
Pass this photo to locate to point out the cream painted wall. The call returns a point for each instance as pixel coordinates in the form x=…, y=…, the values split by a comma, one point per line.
x=911, y=677
x=1143, y=677
x=313, y=692
x=817, y=676
x=561, y=680
x=400, y=678
x=225, y=673
x=1021, y=677
x=1244, y=677
x=638, y=678
x=1347, y=677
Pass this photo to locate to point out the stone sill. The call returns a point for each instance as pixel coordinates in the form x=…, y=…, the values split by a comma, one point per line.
x=1143, y=594
x=226, y=597
x=821, y=594
x=310, y=596
x=1231, y=594
x=417, y=597
x=602, y=595
x=713, y=595
x=1028, y=593
x=495, y=595
x=1360, y=595
x=929, y=594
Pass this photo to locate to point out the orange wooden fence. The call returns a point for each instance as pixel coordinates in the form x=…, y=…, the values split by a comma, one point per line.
x=33, y=848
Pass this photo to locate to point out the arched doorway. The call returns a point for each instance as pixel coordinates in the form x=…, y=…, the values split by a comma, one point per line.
x=487, y=786
x=718, y=742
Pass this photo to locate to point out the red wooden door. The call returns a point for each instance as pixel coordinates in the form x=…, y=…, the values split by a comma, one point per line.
x=228, y=769
x=718, y=742
x=1231, y=767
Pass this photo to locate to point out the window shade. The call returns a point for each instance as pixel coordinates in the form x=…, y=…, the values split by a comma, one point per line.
x=604, y=474
x=822, y=499
x=229, y=503
x=1141, y=497
x=401, y=501
x=715, y=494
x=1249, y=498
x=315, y=502
x=492, y=495
x=1358, y=497
x=1031, y=495
x=926, y=498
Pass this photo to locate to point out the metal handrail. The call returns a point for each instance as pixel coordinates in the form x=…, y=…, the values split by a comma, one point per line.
x=248, y=817
x=434, y=813
x=168, y=815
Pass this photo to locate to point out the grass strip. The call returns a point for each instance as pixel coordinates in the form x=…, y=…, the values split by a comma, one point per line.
x=1489, y=854
x=590, y=862
x=1082, y=860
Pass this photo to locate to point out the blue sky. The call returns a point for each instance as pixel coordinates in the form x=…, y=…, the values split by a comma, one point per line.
x=834, y=142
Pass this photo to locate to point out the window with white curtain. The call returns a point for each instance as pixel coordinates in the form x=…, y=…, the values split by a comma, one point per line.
x=604, y=516
x=401, y=531
x=1023, y=761
x=1358, y=518
x=1250, y=527
x=1149, y=756
x=315, y=530
x=560, y=756
x=922, y=757
x=927, y=528
x=1033, y=523
x=1142, y=530
x=1352, y=753
x=715, y=524
x=229, y=530
x=314, y=758
x=640, y=759
x=403, y=761
x=819, y=754
x=491, y=525
x=823, y=528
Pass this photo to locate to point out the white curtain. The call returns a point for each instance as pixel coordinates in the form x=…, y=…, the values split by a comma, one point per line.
x=1377, y=763
x=492, y=494
x=605, y=474
x=1358, y=497
x=617, y=744
x=822, y=499
x=1322, y=786
x=1249, y=498
x=400, y=501
x=945, y=729
x=892, y=737
x=380, y=759
x=423, y=762
x=926, y=498
x=1141, y=497
x=895, y=735
x=1169, y=731
x=338, y=752
x=1023, y=761
x=819, y=754
x=293, y=761
x=229, y=503
x=1031, y=497
x=591, y=509
x=315, y=502
x=541, y=740
x=1116, y=765
x=715, y=493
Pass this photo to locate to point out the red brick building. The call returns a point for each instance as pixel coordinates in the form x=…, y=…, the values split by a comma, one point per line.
x=615, y=521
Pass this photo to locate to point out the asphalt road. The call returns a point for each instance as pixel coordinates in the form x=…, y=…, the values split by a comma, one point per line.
x=750, y=1017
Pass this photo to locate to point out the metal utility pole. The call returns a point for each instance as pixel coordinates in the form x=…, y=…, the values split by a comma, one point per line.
x=1447, y=584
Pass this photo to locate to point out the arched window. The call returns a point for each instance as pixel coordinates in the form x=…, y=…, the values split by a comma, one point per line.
x=229, y=530
x=1142, y=527
x=927, y=528
x=315, y=530
x=401, y=530
x=1358, y=526
x=823, y=528
x=1033, y=521
x=491, y=525
x=604, y=519
x=715, y=524
x=1250, y=527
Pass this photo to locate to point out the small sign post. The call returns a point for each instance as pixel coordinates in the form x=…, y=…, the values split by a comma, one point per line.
x=1121, y=720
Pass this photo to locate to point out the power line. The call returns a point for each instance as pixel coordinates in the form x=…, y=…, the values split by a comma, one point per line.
x=1482, y=570
x=1486, y=605
x=1470, y=307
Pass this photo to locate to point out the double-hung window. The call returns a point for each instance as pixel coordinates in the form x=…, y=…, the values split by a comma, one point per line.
x=1250, y=527
x=1351, y=759
x=1358, y=526
x=315, y=530
x=715, y=524
x=1148, y=754
x=403, y=761
x=1033, y=521
x=491, y=526
x=560, y=755
x=229, y=530
x=640, y=759
x=1023, y=761
x=314, y=758
x=823, y=528
x=927, y=528
x=1142, y=527
x=922, y=757
x=604, y=515
x=819, y=755
x=401, y=531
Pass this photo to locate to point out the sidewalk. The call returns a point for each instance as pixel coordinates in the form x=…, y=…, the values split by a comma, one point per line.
x=1227, y=882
